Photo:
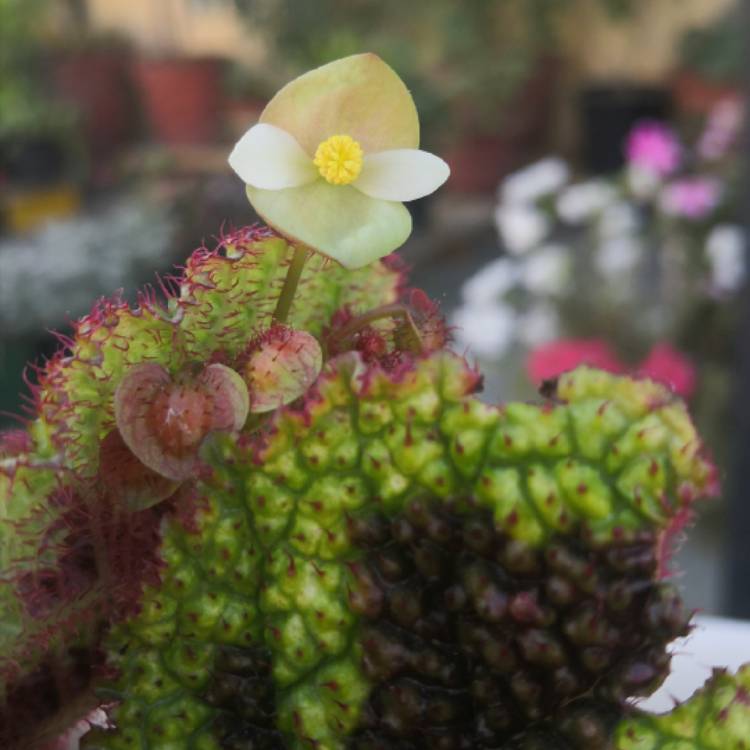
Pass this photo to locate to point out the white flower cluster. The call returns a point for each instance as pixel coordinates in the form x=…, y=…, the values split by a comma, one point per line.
x=551, y=227
x=537, y=270
x=726, y=249
x=53, y=275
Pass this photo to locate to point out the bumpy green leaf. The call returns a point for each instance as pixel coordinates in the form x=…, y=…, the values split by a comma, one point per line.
x=267, y=572
x=26, y=484
x=219, y=304
x=225, y=298
x=717, y=717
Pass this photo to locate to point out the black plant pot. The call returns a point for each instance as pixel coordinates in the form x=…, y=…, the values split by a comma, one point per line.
x=608, y=113
x=28, y=161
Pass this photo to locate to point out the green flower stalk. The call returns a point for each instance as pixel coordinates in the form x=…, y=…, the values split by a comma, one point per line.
x=232, y=528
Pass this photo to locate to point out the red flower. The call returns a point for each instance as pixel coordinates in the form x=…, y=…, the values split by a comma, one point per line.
x=665, y=364
x=550, y=360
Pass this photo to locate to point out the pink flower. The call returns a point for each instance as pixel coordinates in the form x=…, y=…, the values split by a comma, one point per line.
x=722, y=129
x=653, y=147
x=553, y=359
x=665, y=364
x=691, y=197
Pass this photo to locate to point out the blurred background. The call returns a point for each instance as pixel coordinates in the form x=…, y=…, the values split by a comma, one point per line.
x=591, y=214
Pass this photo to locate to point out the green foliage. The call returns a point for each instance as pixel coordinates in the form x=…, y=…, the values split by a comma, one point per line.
x=239, y=605
x=51, y=482
x=717, y=717
x=268, y=561
x=26, y=106
x=718, y=50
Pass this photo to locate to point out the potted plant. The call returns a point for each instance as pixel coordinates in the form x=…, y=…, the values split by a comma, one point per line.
x=180, y=94
x=269, y=511
x=181, y=97
x=711, y=64
x=92, y=73
x=37, y=133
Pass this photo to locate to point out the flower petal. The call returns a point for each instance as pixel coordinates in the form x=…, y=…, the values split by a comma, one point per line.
x=270, y=158
x=403, y=174
x=336, y=220
x=359, y=96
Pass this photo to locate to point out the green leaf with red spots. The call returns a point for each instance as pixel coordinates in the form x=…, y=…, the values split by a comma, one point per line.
x=717, y=717
x=273, y=571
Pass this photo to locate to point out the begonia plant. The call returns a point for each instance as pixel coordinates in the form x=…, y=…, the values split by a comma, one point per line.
x=230, y=524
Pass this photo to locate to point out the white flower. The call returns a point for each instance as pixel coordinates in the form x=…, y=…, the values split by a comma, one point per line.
x=491, y=282
x=334, y=156
x=537, y=180
x=269, y=158
x=520, y=227
x=579, y=202
x=539, y=325
x=547, y=272
x=725, y=250
x=643, y=183
x=617, y=219
x=618, y=255
x=486, y=330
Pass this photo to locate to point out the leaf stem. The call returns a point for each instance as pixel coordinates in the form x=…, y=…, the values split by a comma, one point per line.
x=293, y=274
x=395, y=312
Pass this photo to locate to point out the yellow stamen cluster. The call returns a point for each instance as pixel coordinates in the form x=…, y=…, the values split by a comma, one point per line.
x=339, y=159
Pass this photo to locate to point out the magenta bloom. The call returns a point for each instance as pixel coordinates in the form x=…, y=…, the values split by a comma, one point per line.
x=550, y=360
x=653, y=147
x=665, y=364
x=691, y=197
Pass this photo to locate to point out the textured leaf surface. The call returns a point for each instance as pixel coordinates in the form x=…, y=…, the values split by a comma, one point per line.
x=280, y=367
x=717, y=717
x=224, y=299
x=268, y=564
x=219, y=304
x=26, y=484
x=210, y=313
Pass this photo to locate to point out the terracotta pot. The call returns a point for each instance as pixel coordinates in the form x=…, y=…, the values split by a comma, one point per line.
x=478, y=162
x=181, y=98
x=697, y=95
x=98, y=84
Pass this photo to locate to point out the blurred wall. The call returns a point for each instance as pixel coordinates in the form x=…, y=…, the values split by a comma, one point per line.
x=198, y=27
x=644, y=46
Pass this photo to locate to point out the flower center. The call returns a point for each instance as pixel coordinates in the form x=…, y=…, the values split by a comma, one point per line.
x=339, y=159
